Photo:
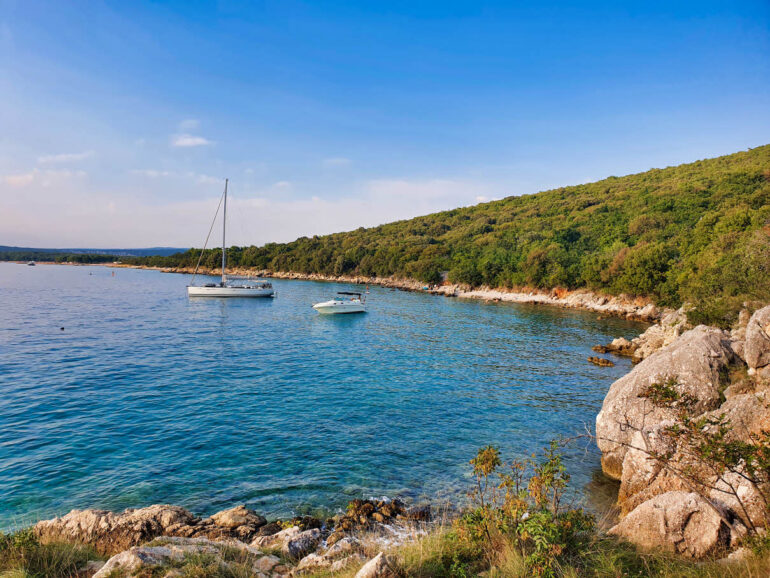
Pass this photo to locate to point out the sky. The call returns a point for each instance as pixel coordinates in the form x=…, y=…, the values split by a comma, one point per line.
x=119, y=121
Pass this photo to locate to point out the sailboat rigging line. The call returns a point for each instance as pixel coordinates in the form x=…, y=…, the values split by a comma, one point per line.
x=214, y=220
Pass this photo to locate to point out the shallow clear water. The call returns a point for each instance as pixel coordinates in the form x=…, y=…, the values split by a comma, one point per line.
x=147, y=396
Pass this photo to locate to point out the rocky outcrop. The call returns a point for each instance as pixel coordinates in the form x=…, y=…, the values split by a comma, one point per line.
x=694, y=362
x=657, y=336
x=757, y=344
x=703, y=375
x=111, y=532
x=679, y=522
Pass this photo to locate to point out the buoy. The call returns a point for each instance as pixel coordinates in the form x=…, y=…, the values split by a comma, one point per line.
x=62, y=328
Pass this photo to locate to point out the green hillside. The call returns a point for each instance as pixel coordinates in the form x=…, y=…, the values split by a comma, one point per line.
x=698, y=232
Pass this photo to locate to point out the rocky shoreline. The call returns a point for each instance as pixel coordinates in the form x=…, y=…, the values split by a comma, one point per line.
x=669, y=497
x=722, y=374
x=634, y=308
x=157, y=536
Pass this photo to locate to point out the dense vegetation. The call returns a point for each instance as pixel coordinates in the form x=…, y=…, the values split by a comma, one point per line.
x=694, y=233
x=54, y=257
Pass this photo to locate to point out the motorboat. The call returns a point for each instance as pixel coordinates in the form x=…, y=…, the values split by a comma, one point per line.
x=348, y=302
x=31, y=263
x=229, y=286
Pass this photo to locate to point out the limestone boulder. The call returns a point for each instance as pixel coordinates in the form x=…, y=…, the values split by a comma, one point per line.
x=377, y=567
x=644, y=477
x=238, y=516
x=742, y=499
x=111, y=532
x=313, y=562
x=657, y=336
x=757, y=344
x=679, y=522
x=278, y=540
x=302, y=544
x=694, y=361
x=143, y=560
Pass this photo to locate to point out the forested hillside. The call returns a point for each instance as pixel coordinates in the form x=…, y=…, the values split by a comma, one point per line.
x=698, y=233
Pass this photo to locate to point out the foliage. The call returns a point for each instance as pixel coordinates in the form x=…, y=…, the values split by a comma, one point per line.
x=55, y=256
x=21, y=554
x=705, y=453
x=521, y=502
x=694, y=233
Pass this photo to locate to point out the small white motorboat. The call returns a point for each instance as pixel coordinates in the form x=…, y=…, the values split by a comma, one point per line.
x=225, y=288
x=351, y=303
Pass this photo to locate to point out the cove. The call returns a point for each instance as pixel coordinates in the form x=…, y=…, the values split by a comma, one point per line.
x=147, y=396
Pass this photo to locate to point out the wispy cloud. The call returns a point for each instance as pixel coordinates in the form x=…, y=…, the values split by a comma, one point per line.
x=336, y=162
x=151, y=173
x=44, y=178
x=189, y=124
x=20, y=180
x=65, y=158
x=208, y=180
x=189, y=140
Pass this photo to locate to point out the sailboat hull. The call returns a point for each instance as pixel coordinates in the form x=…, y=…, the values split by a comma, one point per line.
x=196, y=291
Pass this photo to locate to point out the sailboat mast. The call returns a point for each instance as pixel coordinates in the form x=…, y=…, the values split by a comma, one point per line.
x=224, y=226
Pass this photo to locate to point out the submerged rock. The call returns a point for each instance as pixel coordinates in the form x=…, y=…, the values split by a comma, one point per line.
x=600, y=361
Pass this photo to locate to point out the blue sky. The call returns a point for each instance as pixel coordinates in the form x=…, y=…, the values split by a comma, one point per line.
x=119, y=120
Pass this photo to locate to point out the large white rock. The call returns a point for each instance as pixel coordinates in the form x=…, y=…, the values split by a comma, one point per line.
x=276, y=540
x=694, y=360
x=377, y=567
x=302, y=544
x=680, y=522
x=172, y=549
x=756, y=350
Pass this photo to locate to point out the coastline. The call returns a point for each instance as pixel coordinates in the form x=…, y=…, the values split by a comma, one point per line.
x=724, y=369
x=632, y=308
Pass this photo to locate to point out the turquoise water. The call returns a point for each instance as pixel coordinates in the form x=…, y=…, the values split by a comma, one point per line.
x=147, y=396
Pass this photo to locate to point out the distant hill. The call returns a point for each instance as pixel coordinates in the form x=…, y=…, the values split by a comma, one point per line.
x=697, y=233
x=6, y=251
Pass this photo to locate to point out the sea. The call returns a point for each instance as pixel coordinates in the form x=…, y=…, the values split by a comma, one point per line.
x=117, y=390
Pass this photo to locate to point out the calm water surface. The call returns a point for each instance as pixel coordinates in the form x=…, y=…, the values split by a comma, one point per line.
x=147, y=396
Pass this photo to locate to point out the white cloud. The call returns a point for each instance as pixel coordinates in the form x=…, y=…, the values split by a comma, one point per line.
x=188, y=140
x=151, y=173
x=64, y=158
x=208, y=180
x=189, y=124
x=44, y=178
x=72, y=213
x=336, y=162
x=20, y=180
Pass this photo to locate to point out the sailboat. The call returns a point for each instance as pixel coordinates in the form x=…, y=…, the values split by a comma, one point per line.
x=227, y=288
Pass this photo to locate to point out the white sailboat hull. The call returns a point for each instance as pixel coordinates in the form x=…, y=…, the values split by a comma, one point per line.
x=218, y=291
x=334, y=307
